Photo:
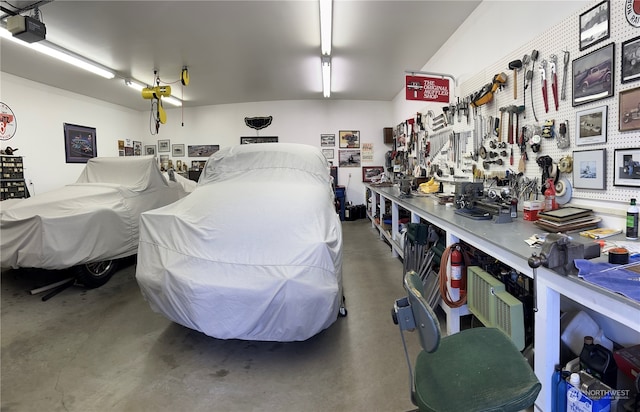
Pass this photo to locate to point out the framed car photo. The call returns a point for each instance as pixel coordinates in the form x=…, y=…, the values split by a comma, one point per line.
x=594, y=25
x=630, y=61
x=629, y=107
x=593, y=75
x=79, y=143
x=589, y=169
x=626, y=167
x=591, y=126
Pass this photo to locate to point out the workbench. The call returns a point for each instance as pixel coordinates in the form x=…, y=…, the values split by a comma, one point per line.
x=506, y=243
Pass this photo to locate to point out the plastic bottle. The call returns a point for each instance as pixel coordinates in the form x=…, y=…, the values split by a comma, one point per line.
x=550, y=196
x=632, y=221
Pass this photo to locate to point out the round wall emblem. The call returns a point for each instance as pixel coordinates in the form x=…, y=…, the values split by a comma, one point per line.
x=8, y=123
x=632, y=11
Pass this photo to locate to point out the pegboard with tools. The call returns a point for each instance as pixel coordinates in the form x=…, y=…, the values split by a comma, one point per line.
x=526, y=118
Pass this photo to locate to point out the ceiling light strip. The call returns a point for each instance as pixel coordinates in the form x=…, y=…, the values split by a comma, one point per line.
x=61, y=54
x=326, y=15
x=326, y=76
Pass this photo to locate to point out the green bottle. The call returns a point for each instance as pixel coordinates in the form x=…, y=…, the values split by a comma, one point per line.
x=632, y=221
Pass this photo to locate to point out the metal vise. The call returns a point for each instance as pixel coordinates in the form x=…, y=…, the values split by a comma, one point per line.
x=559, y=251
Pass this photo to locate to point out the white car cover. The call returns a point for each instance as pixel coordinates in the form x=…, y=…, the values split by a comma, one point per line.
x=92, y=220
x=255, y=252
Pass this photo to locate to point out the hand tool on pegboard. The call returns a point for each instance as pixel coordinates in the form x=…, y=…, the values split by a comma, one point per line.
x=515, y=65
x=565, y=69
x=510, y=112
x=553, y=61
x=543, y=82
x=501, y=124
x=534, y=59
x=525, y=64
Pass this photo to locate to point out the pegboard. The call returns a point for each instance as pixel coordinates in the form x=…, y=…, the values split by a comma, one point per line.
x=561, y=38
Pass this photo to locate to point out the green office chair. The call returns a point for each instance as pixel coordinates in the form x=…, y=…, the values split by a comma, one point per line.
x=477, y=369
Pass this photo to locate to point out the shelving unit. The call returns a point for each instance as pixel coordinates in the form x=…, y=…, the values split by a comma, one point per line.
x=12, y=183
x=506, y=243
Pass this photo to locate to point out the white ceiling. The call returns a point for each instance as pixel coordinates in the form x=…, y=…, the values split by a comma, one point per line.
x=237, y=51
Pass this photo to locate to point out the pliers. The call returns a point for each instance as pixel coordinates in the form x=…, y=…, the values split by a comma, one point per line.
x=543, y=79
x=553, y=61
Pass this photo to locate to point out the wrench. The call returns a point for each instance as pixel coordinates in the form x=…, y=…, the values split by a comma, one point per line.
x=543, y=81
x=563, y=95
x=553, y=61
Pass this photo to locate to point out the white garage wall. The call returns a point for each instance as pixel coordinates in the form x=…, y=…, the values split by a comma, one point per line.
x=41, y=112
x=293, y=122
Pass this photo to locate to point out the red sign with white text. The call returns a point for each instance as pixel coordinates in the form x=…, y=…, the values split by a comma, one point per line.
x=427, y=89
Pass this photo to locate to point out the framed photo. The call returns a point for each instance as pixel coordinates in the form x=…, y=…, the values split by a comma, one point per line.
x=164, y=162
x=202, y=150
x=150, y=149
x=349, y=139
x=79, y=143
x=253, y=140
x=629, y=107
x=589, y=169
x=328, y=153
x=137, y=148
x=630, y=60
x=593, y=75
x=198, y=164
x=177, y=150
x=327, y=140
x=349, y=158
x=370, y=172
x=594, y=25
x=164, y=146
x=626, y=167
x=591, y=126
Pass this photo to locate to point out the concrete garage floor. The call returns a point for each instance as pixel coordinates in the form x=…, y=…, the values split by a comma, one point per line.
x=105, y=350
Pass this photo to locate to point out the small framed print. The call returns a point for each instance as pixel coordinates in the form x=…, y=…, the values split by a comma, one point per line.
x=327, y=140
x=626, y=167
x=589, y=169
x=349, y=158
x=150, y=149
x=591, y=126
x=177, y=150
x=593, y=75
x=254, y=140
x=137, y=148
x=629, y=107
x=79, y=143
x=164, y=146
x=328, y=153
x=594, y=25
x=630, y=61
x=369, y=173
x=349, y=139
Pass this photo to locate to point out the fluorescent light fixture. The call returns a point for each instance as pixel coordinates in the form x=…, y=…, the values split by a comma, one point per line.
x=326, y=14
x=326, y=76
x=62, y=54
x=134, y=84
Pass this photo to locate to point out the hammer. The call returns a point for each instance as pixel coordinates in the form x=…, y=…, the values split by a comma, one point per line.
x=515, y=65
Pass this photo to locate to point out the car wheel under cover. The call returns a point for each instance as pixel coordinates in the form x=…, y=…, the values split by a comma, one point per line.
x=96, y=274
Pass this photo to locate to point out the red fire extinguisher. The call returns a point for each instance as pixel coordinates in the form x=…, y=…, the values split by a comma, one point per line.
x=456, y=268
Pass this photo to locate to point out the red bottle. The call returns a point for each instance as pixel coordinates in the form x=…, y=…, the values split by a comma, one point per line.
x=550, y=196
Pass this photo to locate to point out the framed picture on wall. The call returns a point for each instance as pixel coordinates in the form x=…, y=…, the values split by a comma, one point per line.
x=79, y=143
x=150, y=149
x=591, y=126
x=177, y=150
x=594, y=25
x=629, y=107
x=202, y=150
x=626, y=167
x=589, y=169
x=137, y=148
x=164, y=146
x=327, y=140
x=630, y=60
x=254, y=140
x=593, y=75
x=328, y=153
x=349, y=139
x=349, y=158
x=371, y=172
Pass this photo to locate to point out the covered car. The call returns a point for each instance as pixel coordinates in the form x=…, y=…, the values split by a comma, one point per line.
x=254, y=253
x=89, y=224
